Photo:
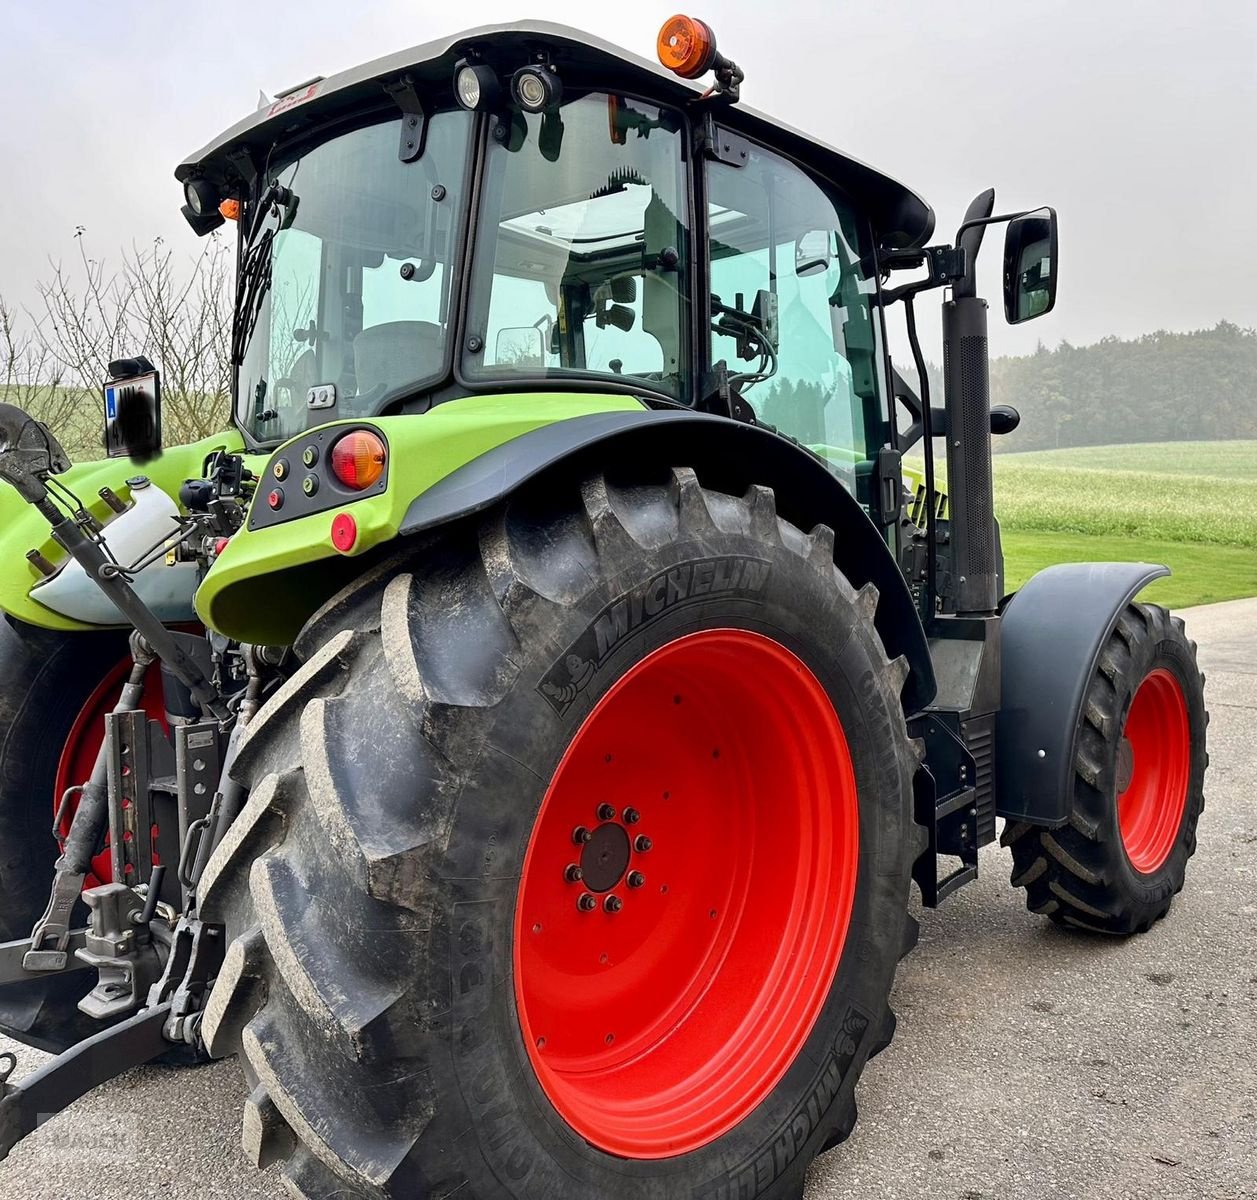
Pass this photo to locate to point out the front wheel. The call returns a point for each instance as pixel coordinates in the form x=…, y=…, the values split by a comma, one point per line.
x=1138, y=787
x=575, y=861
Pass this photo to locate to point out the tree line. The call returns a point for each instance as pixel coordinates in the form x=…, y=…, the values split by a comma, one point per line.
x=1161, y=387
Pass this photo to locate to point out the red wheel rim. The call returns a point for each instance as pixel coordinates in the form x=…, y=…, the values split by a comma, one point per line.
x=663, y=1013
x=83, y=744
x=1154, y=766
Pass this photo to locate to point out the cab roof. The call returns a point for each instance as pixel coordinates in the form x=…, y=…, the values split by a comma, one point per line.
x=900, y=217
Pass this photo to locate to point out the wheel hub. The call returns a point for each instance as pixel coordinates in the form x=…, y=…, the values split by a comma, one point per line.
x=606, y=857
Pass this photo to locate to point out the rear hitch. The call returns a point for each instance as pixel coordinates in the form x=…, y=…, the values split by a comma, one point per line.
x=173, y=1017
x=25, y=1106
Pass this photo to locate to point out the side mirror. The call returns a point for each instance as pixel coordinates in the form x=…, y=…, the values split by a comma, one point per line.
x=522, y=347
x=133, y=410
x=813, y=253
x=1030, y=266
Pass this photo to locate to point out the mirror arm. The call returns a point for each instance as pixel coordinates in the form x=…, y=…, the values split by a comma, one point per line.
x=1012, y=216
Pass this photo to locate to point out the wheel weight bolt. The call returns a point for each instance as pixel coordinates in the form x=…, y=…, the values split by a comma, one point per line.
x=631, y=816
x=606, y=812
x=573, y=874
x=587, y=903
x=642, y=844
x=636, y=879
x=580, y=835
x=613, y=904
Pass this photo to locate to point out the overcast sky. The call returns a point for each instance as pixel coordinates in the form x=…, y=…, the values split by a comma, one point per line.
x=1136, y=119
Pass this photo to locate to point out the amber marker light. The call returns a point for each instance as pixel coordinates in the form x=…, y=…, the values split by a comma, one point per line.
x=358, y=459
x=686, y=46
x=230, y=209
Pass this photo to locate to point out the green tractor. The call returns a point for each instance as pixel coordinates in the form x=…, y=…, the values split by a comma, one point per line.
x=515, y=738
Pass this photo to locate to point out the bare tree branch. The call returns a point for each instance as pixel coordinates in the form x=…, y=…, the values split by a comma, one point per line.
x=177, y=313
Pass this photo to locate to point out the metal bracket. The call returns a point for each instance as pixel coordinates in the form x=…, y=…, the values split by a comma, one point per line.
x=722, y=145
x=140, y=760
x=414, y=131
x=196, y=953
x=886, y=492
x=28, y=453
x=198, y=768
x=946, y=805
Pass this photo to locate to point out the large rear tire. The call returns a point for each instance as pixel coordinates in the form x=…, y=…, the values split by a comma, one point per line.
x=433, y=990
x=46, y=679
x=1138, y=788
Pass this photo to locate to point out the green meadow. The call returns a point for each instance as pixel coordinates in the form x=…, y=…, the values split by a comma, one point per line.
x=1190, y=505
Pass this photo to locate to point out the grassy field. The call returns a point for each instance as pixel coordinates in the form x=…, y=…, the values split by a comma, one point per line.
x=1190, y=505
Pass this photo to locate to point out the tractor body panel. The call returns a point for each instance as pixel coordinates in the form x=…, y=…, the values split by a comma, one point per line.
x=270, y=579
x=25, y=592
x=1052, y=632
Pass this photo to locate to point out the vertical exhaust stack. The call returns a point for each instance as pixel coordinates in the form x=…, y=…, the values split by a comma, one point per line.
x=966, y=370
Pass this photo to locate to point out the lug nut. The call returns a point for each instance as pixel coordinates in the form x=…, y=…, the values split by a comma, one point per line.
x=642, y=844
x=573, y=874
x=636, y=879
x=580, y=835
x=631, y=816
x=587, y=903
x=613, y=904
x=606, y=812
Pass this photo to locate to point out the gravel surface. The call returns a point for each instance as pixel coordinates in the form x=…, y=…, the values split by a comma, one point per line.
x=1029, y=1063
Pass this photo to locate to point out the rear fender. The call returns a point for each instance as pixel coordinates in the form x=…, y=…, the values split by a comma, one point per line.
x=1052, y=632
x=726, y=455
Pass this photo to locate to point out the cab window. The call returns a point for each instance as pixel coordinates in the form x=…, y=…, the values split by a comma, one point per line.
x=793, y=288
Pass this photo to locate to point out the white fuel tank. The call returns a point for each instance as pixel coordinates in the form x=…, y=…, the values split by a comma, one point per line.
x=167, y=590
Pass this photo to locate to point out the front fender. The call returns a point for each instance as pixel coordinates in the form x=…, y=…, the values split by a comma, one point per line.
x=1051, y=635
x=22, y=528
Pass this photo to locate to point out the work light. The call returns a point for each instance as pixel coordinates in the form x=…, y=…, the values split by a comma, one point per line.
x=476, y=86
x=201, y=195
x=536, y=89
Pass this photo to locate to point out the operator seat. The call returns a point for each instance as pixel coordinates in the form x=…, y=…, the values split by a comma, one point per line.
x=391, y=355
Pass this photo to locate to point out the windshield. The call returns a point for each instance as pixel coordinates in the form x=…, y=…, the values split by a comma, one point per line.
x=581, y=248
x=344, y=290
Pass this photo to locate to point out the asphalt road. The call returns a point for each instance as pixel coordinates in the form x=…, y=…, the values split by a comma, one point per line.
x=1029, y=1063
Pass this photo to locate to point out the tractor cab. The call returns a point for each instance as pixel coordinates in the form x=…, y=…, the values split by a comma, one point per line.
x=524, y=209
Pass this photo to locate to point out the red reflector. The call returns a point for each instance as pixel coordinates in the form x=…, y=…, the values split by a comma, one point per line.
x=344, y=532
x=358, y=459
